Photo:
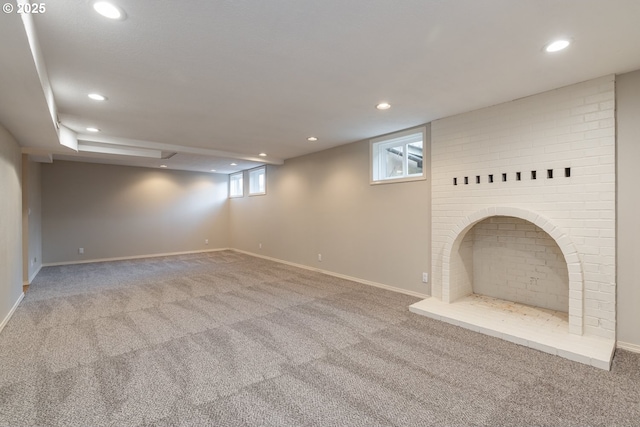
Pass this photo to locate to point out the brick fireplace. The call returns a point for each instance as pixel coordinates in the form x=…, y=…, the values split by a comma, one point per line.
x=523, y=212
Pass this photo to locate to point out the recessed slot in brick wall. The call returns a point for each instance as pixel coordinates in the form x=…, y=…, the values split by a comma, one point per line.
x=504, y=176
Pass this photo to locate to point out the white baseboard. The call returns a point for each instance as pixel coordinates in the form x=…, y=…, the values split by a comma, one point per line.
x=628, y=346
x=293, y=264
x=88, y=261
x=341, y=276
x=13, y=309
x=34, y=274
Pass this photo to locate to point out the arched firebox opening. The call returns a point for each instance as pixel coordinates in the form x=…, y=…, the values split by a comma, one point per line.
x=514, y=255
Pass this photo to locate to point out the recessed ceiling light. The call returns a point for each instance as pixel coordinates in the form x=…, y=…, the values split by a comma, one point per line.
x=163, y=166
x=97, y=97
x=312, y=138
x=109, y=10
x=383, y=106
x=234, y=164
x=213, y=170
x=557, y=45
x=262, y=154
x=93, y=129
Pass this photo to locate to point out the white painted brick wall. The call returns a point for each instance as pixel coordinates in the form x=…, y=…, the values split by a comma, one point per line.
x=517, y=261
x=569, y=127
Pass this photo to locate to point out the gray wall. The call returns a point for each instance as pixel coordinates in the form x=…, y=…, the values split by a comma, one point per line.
x=31, y=219
x=10, y=223
x=119, y=211
x=628, y=198
x=323, y=203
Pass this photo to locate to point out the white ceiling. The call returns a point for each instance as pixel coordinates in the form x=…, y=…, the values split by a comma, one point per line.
x=217, y=80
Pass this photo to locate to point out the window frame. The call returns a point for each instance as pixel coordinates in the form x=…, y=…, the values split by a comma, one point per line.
x=231, y=175
x=404, y=138
x=253, y=171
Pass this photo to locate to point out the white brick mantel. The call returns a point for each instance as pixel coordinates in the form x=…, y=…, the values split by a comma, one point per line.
x=482, y=164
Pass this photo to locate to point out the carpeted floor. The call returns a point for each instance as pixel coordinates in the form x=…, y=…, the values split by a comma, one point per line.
x=225, y=339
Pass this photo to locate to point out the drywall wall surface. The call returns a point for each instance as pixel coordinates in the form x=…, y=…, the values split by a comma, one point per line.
x=119, y=211
x=10, y=224
x=323, y=204
x=628, y=200
x=31, y=219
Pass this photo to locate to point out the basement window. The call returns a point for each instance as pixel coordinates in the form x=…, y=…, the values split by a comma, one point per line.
x=236, y=185
x=398, y=157
x=258, y=181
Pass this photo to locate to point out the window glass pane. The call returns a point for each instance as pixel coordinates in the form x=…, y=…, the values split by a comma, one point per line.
x=414, y=157
x=257, y=181
x=393, y=161
x=236, y=187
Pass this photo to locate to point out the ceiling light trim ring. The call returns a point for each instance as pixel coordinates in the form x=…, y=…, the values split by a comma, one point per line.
x=97, y=97
x=109, y=10
x=557, y=45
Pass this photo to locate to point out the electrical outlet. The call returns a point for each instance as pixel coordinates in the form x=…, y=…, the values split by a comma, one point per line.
x=425, y=277
x=206, y=241
x=320, y=257
x=81, y=250
x=259, y=245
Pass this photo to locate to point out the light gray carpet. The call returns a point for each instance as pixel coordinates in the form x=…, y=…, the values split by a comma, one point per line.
x=225, y=339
